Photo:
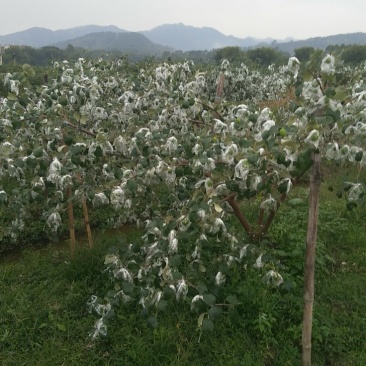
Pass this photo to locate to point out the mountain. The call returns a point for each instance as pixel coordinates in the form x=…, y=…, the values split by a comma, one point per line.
x=187, y=38
x=172, y=36
x=323, y=42
x=39, y=37
x=127, y=42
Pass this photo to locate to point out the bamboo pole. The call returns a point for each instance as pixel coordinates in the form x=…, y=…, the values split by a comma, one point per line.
x=71, y=221
x=315, y=180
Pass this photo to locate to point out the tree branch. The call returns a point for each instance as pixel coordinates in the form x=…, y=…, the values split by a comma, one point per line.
x=212, y=109
x=234, y=205
x=80, y=129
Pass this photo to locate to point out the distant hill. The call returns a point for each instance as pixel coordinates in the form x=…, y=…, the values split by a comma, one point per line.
x=127, y=42
x=39, y=37
x=167, y=37
x=323, y=42
x=187, y=38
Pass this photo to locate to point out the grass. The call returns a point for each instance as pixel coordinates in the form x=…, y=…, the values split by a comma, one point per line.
x=43, y=317
x=44, y=321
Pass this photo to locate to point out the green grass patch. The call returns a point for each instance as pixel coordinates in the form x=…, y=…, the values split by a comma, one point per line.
x=44, y=320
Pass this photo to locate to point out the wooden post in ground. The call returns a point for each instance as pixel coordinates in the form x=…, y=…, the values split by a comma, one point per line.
x=86, y=217
x=315, y=180
x=87, y=224
x=70, y=209
x=220, y=88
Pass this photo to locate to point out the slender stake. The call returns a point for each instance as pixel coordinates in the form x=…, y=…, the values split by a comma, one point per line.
x=220, y=88
x=315, y=180
x=87, y=224
x=71, y=221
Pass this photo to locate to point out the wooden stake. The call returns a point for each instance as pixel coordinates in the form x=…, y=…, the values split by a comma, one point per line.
x=220, y=88
x=87, y=224
x=315, y=180
x=71, y=221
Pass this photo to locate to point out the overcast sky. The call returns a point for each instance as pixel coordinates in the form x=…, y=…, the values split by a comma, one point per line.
x=277, y=19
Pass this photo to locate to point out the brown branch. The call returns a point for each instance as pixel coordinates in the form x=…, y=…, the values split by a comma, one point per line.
x=182, y=163
x=80, y=129
x=261, y=217
x=196, y=122
x=234, y=205
x=229, y=197
x=318, y=82
x=278, y=204
x=272, y=215
x=213, y=109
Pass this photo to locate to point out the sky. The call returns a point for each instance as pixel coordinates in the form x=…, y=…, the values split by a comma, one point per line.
x=278, y=19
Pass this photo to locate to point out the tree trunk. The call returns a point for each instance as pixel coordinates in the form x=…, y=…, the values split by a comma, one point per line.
x=315, y=180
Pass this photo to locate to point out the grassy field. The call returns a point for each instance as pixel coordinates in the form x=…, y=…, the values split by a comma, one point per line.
x=44, y=321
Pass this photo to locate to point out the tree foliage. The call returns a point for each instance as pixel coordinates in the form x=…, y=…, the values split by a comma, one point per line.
x=152, y=141
x=354, y=55
x=303, y=54
x=230, y=53
x=265, y=56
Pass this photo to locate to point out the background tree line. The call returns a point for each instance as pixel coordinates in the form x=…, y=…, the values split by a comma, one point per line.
x=261, y=56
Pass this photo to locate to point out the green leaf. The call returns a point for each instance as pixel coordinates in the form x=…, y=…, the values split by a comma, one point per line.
x=179, y=171
x=176, y=260
x=253, y=117
x=358, y=156
x=234, y=316
x=38, y=152
x=232, y=299
x=128, y=288
x=340, y=94
x=202, y=268
x=152, y=322
x=168, y=293
x=68, y=140
x=215, y=312
x=12, y=97
x=132, y=185
x=209, y=299
x=330, y=92
x=3, y=197
x=61, y=327
x=17, y=124
x=200, y=319
x=307, y=76
x=245, y=143
x=118, y=173
x=207, y=325
x=63, y=100
x=19, y=163
x=162, y=305
x=91, y=194
x=83, y=119
x=295, y=201
x=201, y=288
x=98, y=152
x=145, y=151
